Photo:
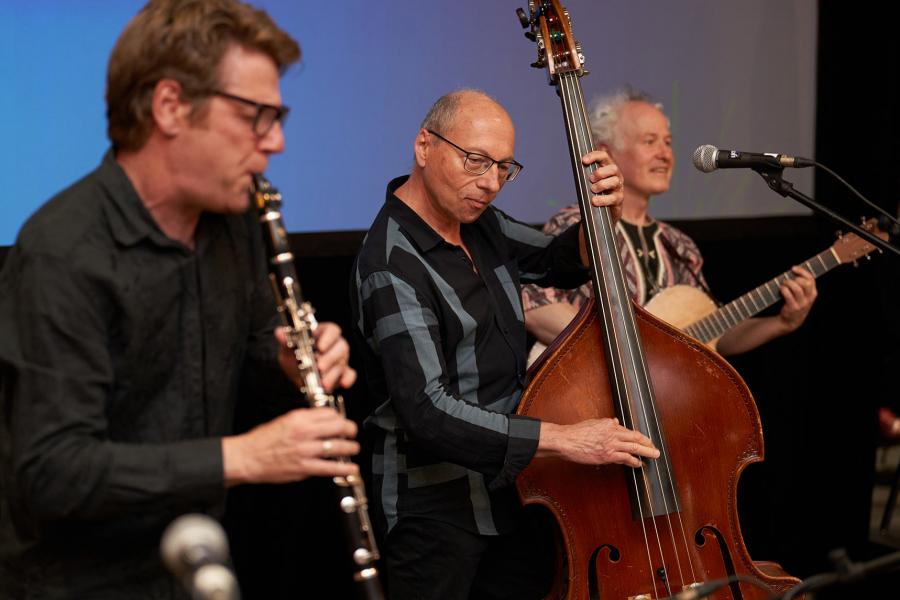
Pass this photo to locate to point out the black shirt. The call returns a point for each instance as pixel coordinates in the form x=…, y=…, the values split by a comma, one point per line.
x=121, y=353
x=445, y=360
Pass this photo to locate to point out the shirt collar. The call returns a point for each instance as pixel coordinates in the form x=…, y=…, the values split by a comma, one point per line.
x=129, y=220
x=420, y=232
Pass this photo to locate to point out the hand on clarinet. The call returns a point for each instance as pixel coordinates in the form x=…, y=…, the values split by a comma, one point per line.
x=292, y=447
x=595, y=442
x=332, y=357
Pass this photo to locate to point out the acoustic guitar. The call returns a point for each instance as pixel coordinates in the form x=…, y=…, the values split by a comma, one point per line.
x=694, y=312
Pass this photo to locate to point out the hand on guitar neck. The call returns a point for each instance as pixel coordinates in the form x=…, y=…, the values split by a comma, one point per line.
x=684, y=306
x=798, y=293
x=727, y=329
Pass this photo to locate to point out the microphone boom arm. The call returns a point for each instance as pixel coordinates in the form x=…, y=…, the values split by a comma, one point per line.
x=774, y=178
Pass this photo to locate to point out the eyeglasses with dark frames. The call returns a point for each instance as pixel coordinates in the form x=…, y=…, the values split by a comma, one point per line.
x=266, y=114
x=479, y=164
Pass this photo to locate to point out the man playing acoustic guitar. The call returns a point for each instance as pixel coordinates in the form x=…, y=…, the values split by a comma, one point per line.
x=655, y=255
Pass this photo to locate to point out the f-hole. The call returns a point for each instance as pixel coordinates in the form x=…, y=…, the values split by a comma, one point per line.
x=614, y=556
x=700, y=538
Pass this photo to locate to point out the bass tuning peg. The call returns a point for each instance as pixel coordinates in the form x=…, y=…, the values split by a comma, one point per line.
x=523, y=18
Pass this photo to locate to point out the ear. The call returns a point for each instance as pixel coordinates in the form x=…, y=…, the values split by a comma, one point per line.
x=421, y=147
x=170, y=112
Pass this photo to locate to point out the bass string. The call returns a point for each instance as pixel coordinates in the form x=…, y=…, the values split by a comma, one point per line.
x=631, y=352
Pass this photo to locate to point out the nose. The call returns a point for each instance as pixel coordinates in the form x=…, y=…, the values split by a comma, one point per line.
x=491, y=179
x=664, y=151
x=273, y=141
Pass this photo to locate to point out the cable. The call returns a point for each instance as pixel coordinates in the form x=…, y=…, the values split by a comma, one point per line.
x=858, y=194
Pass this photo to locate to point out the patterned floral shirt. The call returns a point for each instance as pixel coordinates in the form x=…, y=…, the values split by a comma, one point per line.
x=678, y=261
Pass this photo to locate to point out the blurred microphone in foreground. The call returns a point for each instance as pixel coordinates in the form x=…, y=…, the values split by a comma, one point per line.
x=194, y=548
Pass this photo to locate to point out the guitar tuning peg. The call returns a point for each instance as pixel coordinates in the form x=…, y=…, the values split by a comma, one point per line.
x=868, y=257
x=530, y=35
x=839, y=234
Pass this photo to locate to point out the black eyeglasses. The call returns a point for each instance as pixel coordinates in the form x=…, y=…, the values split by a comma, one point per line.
x=479, y=164
x=266, y=114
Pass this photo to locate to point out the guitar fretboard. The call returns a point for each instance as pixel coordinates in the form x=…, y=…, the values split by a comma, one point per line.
x=715, y=324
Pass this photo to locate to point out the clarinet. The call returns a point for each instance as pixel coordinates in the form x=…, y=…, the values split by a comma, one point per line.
x=297, y=316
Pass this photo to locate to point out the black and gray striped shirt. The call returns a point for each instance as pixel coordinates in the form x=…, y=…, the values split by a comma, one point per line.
x=445, y=360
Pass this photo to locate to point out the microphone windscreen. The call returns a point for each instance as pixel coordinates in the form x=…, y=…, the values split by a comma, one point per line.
x=191, y=541
x=705, y=158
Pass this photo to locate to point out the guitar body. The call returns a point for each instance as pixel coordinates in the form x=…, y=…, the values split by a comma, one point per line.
x=679, y=305
x=682, y=305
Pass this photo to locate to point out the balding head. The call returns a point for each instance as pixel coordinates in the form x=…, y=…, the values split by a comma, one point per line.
x=458, y=107
x=442, y=189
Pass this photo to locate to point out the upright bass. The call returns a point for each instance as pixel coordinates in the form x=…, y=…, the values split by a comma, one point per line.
x=671, y=525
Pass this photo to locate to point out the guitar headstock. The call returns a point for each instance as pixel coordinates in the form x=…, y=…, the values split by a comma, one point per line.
x=550, y=28
x=850, y=247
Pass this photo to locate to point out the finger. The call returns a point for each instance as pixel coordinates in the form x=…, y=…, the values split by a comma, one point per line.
x=601, y=157
x=337, y=352
x=607, y=185
x=793, y=285
x=320, y=423
x=802, y=273
x=793, y=294
x=632, y=436
x=326, y=335
x=321, y=467
x=642, y=450
x=623, y=458
x=315, y=415
x=331, y=447
x=602, y=172
x=348, y=378
x=331, y=377
x=803, y=278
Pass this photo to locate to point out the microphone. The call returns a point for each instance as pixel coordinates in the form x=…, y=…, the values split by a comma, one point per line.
x=708, y=158
x=194, y=548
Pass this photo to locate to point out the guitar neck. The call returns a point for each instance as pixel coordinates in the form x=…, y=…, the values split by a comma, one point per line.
x=715, y=324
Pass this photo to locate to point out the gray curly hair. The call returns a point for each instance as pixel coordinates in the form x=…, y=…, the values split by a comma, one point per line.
x=604, y=114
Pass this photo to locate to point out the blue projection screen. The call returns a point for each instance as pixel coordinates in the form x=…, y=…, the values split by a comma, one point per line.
x=735, y=75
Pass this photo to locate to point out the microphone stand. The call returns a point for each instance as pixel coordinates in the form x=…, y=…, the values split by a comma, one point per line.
x=773, y=177
x=846, y=571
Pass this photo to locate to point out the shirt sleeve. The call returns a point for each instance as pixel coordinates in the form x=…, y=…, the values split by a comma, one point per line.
x=543, y=259
x=57, y=393
x=566, y=222
x=688, y=265
x=400, y=324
